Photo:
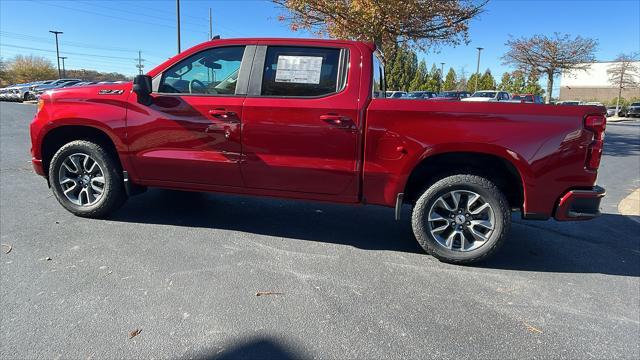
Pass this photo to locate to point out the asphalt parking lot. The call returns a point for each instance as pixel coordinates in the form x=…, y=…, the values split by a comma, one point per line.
x=185, y=268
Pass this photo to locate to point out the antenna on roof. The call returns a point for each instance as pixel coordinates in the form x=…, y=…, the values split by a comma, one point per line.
x=216, y=37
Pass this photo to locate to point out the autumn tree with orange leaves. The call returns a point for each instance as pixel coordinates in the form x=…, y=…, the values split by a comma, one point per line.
x=420, y=24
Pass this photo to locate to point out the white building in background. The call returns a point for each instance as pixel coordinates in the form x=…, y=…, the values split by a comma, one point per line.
x=593, y=84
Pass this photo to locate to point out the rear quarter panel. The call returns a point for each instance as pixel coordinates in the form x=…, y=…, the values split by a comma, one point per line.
x=545, y=143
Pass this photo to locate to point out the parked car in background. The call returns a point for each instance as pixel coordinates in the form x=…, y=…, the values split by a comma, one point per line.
x=55, y=85
x=527, y=98
x=420, y=95
x=611, y=110
x=488, y=96
x=395, y=94
x=633, y=110
x=451, y=95
x=569, y=102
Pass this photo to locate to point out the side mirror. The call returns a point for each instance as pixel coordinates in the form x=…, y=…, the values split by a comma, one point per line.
x=142, y=88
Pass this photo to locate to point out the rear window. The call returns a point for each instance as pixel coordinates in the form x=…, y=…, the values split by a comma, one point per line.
x=303, y=71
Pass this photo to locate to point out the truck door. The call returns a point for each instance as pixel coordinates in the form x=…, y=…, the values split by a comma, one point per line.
x=191, y=131
x=301, y=125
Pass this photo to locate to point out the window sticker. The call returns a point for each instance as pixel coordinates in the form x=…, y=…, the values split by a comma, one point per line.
x=299, y=69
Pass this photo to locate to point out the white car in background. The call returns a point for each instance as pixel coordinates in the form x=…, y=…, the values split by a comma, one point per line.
x=488, y=96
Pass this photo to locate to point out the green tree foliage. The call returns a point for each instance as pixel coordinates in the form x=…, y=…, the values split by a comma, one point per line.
x=420, y=79
x=22, y=69
x=532, y=85
x=518, y=82
x=401, y=69
x=506, y=82
x=434, y=79
x=471, y=83
x=486, y=82
x=450, y=81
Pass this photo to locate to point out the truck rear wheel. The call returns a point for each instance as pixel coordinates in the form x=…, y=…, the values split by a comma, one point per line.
x=86, y=179
x=461, y=219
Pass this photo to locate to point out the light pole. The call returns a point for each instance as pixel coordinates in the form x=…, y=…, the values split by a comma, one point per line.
x=64, y=71
x=56, y=33
x=441, y=76
x=178, y=21
x=478, y=68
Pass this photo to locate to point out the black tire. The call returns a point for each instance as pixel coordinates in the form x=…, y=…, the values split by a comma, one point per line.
x=113, y=195
x=489, y=193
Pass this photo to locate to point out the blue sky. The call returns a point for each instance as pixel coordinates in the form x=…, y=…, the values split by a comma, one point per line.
x=105, y=35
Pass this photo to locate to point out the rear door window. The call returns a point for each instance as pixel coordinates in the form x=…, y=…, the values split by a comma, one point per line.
x=303, y=71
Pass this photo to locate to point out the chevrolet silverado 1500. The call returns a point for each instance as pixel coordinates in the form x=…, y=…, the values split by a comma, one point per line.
x=307, y=119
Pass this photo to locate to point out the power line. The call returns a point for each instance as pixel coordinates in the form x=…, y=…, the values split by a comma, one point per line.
x=66, y=52
x=76, y=44
x=138, y=21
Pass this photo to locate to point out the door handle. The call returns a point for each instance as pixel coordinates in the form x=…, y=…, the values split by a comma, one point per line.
x=338, y=121
x=222, y=114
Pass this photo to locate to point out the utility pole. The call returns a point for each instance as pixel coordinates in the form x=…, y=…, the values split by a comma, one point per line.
x=64, y=71
x=210, y=25
x=441, y=76
x=140, y=60
x=56, y=33
x=478, y=68
x=178, y=20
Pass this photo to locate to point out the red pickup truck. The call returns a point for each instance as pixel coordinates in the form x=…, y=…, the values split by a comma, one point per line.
x=307, y=119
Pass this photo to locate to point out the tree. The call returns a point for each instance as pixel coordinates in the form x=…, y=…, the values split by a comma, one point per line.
x=532, y=86
x=461, y=85
x=624, y=74
x=419, y=23
x=434, y=78
x=551, y=55
x=401, y=69
x=471, y=83
x=450, y=82
x=518, y=83
x=486, y=81
x=419, y=81
x=30, y=68
x=4, y=73
x=506, y=82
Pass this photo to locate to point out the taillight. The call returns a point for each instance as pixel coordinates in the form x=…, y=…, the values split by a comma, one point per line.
x=596, y=124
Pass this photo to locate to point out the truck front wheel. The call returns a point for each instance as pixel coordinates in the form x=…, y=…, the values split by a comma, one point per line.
x=86, y=179
x=461, y=219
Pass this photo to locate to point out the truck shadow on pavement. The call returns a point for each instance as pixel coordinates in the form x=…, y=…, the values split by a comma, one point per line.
x=255, y=348
x=608, y=245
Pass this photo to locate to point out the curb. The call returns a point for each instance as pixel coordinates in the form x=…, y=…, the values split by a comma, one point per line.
x=630, y=206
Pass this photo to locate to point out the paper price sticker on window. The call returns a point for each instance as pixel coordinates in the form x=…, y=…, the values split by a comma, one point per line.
x=299, y=69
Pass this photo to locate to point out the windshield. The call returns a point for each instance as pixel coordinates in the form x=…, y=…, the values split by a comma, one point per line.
x=635, y=104
x=448, y=94
x=414, y=95
x=487, y=94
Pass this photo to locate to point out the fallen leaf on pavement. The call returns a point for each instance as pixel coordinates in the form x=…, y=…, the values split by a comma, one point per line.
x=134, y=333
x=6, y=248
x=265, y=293
x=532, y=329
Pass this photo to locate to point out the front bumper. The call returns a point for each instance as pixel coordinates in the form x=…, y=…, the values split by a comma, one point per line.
x=580, y=204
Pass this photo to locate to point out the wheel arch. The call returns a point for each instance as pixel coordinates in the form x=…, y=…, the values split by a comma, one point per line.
x=55, y=138
x=506, y=174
